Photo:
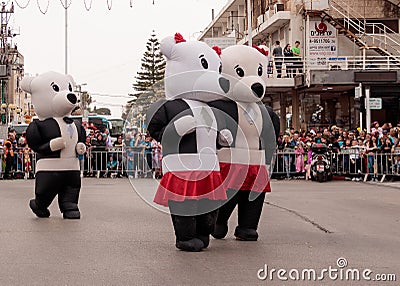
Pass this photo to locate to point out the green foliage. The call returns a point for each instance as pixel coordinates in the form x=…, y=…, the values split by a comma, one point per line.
x=153, y=65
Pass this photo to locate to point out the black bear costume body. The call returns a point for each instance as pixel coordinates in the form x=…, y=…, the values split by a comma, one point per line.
x=57, y=172
x=251, y=189
x=57, y=141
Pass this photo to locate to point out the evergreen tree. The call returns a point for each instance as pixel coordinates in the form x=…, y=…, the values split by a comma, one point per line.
x=153, y=65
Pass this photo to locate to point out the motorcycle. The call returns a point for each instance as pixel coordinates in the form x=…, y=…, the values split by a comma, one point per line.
x=320, y=165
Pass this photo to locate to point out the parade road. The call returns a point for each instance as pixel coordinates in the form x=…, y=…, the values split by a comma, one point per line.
x=308, y=230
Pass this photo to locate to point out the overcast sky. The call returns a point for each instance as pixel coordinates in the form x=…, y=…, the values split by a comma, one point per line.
x=104, y=46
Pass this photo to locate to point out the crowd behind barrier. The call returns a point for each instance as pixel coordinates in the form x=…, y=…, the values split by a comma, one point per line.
x=352, y=153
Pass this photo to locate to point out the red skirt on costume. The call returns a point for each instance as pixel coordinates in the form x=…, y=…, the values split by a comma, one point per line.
x=245, y=177
x=190, y=185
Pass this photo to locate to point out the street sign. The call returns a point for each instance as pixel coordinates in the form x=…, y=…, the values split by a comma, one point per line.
x=221, y=42
x=375, y=103
x=357, y=92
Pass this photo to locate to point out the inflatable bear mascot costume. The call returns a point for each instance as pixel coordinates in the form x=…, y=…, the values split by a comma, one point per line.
x=244, y=165
x=57, y=140
x=187, y=129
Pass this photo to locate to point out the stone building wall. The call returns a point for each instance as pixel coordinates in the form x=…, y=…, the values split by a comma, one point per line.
x=371, y=9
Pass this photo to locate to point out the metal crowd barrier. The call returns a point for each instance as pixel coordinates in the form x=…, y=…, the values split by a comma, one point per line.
x=134, y=163
x=117, y=162
x=349, y=162
x=104, y=162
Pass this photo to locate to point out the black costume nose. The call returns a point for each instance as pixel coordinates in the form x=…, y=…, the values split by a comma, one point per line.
x=72, y=98
x=224, y=84
x=258, y=89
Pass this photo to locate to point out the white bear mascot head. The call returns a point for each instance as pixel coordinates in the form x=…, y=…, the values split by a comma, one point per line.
x=52, y=94
x=245, y=67
x=192, y=70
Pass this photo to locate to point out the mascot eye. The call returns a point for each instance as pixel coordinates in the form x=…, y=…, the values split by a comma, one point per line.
x=55, y=87
x=220, y=68
x=260, y=71
x=240, y=72
x=204, y=63
x=70, y=87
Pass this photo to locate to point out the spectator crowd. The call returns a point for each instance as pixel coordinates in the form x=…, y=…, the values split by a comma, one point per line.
x=351, y=151
x=136, y=154
x=131, y=154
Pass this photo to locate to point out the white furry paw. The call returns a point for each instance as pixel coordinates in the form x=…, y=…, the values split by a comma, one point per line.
x=225, y=137
x=185, y=125
x=57, y=144
x=80, y=148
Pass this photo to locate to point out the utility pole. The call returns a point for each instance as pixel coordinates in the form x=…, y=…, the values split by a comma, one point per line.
x=8, y=56
x=66, y=36
x=249, y=23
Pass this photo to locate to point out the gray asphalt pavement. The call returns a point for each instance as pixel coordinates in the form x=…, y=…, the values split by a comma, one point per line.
x=121, y=240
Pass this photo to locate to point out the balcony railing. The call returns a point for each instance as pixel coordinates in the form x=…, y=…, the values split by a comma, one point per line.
x=290, y=66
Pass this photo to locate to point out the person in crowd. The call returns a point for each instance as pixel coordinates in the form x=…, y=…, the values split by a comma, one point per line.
x=22, y=139
x=295, y=139
x=112, y=165
x=375, y=128
x=99, y=154
x=157, y=157
x=88, y=160
x=385, y=148
x=8, y=157
x=118, y=144
x=340, y=141
x=107, y=138
x=393, y=135
x=371, y=149
x=138, y=153
x=287, y=147
x=129, y=143
x=299, y=152
x=308, y=151
x=288, y=59
x=148, y=155
x=318, y=138
x=355, y=159
x=278, y=56
x=297, y=56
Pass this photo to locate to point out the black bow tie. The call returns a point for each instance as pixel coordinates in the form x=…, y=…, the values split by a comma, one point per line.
x=68, y=120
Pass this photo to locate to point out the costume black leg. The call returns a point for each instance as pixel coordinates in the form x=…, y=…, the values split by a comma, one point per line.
x=68, y=197
x=224, y=213
x=184, y=226
x=46, y=184
x=205, y=224
x=249, y=213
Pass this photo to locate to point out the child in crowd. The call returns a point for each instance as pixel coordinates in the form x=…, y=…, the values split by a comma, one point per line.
x=299, y=152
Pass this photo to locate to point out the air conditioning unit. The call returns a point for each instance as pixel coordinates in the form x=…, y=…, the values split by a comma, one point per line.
x=260, y=19
x=278, y=7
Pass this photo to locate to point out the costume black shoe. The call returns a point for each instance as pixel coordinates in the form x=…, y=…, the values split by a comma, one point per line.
x=193, y=245
x=246, y=234
x=72, y=215
x=220, y=231
x=37, y=211
x=205, y=239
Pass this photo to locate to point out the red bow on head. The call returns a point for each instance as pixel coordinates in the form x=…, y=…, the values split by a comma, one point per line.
x=217, y=50
x=261, y=50
x=179, y=38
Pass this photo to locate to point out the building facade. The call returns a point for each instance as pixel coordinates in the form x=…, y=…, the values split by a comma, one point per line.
x=344, y=45
x=15, y=105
